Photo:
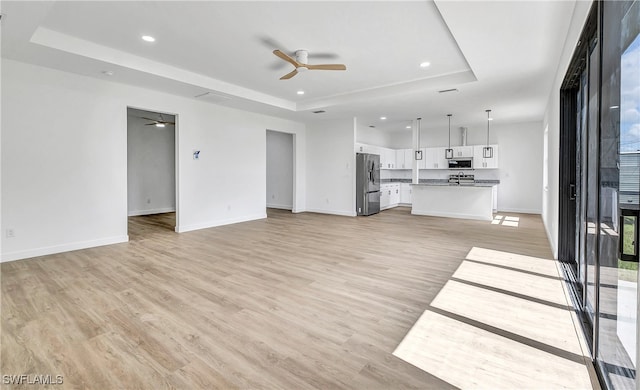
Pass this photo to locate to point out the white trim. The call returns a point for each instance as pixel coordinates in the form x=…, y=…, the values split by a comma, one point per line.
x=279, y=206
x=452, y=215
x=210, y=224
x=521, y=211
x=49, y=250
x=333, y=212
x=152, y=211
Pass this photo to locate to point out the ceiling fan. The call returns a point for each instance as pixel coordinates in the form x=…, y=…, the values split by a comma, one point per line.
x=158, y=123
x=301, y=65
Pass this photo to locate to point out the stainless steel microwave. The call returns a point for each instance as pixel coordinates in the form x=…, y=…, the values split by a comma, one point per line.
x=461, y=163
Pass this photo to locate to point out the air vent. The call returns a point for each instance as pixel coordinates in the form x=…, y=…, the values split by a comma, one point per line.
x=213, y=96
x=372, y=126
x=319, y=112
x=449, y=90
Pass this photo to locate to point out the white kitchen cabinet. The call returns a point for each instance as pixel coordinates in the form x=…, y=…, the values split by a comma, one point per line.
x=390, y=155
x=404, y=159
x=385, y=196
x=434, y=159
x=479, y=162
x=394, y=199
x=405, y=193
x=462, y=151
x=495, y=199
x=389, y=195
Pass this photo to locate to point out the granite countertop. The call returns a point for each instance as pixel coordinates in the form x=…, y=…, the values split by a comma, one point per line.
x=443, y=182
x=486, y=183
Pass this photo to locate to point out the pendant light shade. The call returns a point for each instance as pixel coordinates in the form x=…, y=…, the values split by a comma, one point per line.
x=448, y=153
x=487, y=151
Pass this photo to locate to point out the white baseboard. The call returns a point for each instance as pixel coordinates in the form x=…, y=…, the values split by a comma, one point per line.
x=452, y=215
x=518, y=210
x=279, y=206
x=210, y=224
x=49, y=250
x=152, y=211
x=333, y=212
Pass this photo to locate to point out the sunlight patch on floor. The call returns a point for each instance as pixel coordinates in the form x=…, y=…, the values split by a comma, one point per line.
x=472, y=358
x=502, y=321
x=505, y=221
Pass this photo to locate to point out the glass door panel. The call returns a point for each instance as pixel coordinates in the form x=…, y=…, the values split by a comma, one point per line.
x=619, y=192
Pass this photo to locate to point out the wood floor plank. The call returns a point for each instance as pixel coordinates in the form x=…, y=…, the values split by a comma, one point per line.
x=299, y=301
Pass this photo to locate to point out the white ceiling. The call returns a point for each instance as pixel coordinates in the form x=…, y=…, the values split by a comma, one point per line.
x=499, y=55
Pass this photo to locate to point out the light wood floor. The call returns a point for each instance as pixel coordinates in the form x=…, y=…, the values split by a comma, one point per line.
x=295, y=301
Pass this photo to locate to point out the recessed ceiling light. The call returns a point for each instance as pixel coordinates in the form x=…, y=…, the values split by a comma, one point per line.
x=107, y=73
x=159, y=124
x=148, y=38
x=425, y=64
x=408, y=127
x=383, y=117
x=490, y=119
x=300, y=92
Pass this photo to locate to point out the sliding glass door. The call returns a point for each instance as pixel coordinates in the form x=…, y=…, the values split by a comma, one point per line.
x=601, y=96
x=619, y=190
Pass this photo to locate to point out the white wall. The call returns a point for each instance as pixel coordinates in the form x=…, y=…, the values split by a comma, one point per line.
x=331, y=167
x=64, y=154
x=371, y=136
x=520, y=160
x=550, y=208
x=151, y=167
x=279, y=170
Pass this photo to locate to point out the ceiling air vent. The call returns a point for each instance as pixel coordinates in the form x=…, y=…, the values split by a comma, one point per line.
x=213, y=97
x=319, y=112
x=372, y=126
x=448, y=90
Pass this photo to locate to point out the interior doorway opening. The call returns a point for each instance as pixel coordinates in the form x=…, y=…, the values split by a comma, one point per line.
x=280, y=170
x=151, y=173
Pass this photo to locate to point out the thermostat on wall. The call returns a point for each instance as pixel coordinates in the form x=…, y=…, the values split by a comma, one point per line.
x=196, y=154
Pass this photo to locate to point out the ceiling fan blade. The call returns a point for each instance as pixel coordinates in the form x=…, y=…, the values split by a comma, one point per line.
x=326, y=67
x=149, y=119
x=150, y=124
x=289, y=75
x=286, y=58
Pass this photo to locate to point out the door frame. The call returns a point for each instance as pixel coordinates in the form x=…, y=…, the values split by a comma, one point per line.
x=176, y=158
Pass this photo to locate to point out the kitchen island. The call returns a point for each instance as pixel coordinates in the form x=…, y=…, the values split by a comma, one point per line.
x=468, y=201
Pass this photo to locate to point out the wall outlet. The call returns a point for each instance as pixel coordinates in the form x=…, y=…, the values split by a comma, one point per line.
x=148, y=200
x=273, y=196
x=11, y=233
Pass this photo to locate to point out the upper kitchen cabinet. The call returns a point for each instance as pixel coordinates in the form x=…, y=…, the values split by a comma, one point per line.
x=480, y=162
x=462, y=151
x=404, y=159
x=434, y=159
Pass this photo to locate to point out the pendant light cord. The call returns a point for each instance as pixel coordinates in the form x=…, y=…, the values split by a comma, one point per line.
x=449, y=115
x=488, y=112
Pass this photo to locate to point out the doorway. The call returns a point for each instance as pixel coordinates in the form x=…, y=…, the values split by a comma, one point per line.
x=280, y=170
x=151, y=173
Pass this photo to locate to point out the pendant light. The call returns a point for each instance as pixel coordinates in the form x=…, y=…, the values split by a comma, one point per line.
x=487, y=151
x=448, y=153
x=418, y=152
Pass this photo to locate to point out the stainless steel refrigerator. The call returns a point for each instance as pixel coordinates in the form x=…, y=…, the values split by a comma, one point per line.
x=367, y=183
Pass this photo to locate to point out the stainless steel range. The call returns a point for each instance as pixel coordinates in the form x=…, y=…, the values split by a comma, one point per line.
x=462, y=179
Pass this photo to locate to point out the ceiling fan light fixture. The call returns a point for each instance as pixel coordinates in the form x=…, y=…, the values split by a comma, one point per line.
x=159, y=124
x=301, y=69
x=148, y=38
x=425, y=64
x=300, y=92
